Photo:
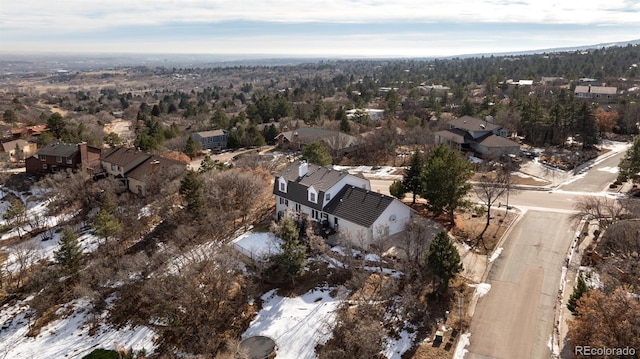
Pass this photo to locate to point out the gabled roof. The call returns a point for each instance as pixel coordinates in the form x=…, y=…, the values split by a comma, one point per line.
x=455, y=135
x=470, y=124
x=602, y=90
x=59, y=149
x=322, y=178
x=123, y=156
x=11, y=145
x=358, y=205
x=29, y=130
x=334, y=139
x=155, y=165
x=212, y=133
x=494, y=141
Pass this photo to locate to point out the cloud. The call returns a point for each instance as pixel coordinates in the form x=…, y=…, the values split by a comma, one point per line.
x=76, y=15
x=341, y=27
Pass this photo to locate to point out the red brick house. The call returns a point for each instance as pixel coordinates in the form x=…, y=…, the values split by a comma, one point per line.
x=56, y=157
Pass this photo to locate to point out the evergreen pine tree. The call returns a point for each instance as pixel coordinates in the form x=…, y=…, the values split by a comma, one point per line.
x=397, y=190
x=443, y=260
x=580, y=289
x=292, y=259
x=69, y=255
x=191, y=148
x=412, y=180
x=191, y=191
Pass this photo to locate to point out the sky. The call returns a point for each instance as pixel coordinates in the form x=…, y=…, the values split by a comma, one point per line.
x=328, y=28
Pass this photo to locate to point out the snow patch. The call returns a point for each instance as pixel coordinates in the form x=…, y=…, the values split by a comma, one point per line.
x=495, y=254
x=460, y=347
x=398, y=346
x=296, y=324
x=257, y=245
x=609, y=169
x=481, y=289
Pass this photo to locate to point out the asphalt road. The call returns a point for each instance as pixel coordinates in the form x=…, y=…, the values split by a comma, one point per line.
x=515, y=319
x=598, y=178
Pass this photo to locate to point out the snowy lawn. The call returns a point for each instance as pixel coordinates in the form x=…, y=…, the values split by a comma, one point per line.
x=296, y=324
x=257, y=245
x=67, y=337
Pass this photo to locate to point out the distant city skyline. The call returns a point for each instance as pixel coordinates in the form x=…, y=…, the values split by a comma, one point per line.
x=344, y=28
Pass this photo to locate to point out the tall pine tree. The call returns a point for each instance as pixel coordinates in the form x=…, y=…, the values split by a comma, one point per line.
x=69, y=255
x=443, y=260
x=292, y=259
x=412, y=180
x=192, y=193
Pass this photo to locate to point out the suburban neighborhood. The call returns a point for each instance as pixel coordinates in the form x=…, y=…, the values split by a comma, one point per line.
x=484, y=207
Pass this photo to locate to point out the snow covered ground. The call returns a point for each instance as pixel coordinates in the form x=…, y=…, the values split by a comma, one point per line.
x=296, y=324
x=66, y=337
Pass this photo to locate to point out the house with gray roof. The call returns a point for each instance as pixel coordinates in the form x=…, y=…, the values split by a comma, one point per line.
x=605, y=94
x=483, y=137
x=339, y=201
x=58, y=156
x=139, y=171
x=338, y=143
x=215, y=140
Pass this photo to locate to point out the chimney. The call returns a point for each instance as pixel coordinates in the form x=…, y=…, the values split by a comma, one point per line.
x=84, y=157
x=303, y=168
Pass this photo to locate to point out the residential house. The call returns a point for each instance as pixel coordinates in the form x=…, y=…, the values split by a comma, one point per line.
x=211, y=140
x=152, y=173
x=596, y=93
x=139, y=172
x=57, y=156
x=118, y=161
x=338, y=143
x=483, y=137
x=19, y=150
x=339, y=201
x=28, y=131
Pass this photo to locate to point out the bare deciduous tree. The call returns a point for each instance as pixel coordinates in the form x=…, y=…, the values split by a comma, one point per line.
x=603, y=209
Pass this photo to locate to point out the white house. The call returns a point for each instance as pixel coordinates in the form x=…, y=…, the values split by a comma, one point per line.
x=339, y=201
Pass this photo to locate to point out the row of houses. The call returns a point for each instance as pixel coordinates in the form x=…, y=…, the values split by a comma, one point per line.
x=136, y=171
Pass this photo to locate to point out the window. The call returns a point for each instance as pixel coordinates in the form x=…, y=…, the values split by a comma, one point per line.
x=113, y=167
x=335, y=221
x=282, y=185
x=44, y=166
x=69, y=160
x=312, y=197
x=286, y=202
x=327, y=197
x=297, y=207
x=59, y=159
x=315, y=214
x=42, y=157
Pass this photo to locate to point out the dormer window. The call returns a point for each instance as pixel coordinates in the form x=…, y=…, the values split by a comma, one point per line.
x=327, y=197
x=282, y=185
x=312, y=195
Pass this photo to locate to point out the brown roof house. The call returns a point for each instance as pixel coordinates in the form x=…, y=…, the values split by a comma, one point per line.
x=140, y=172
x=19, y=150
x=480, y=136
x=24, y=131
x=57, y=156
x=339, y=201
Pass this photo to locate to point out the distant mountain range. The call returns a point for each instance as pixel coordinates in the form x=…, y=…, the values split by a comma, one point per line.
x=26, y=63
x=552, y=50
